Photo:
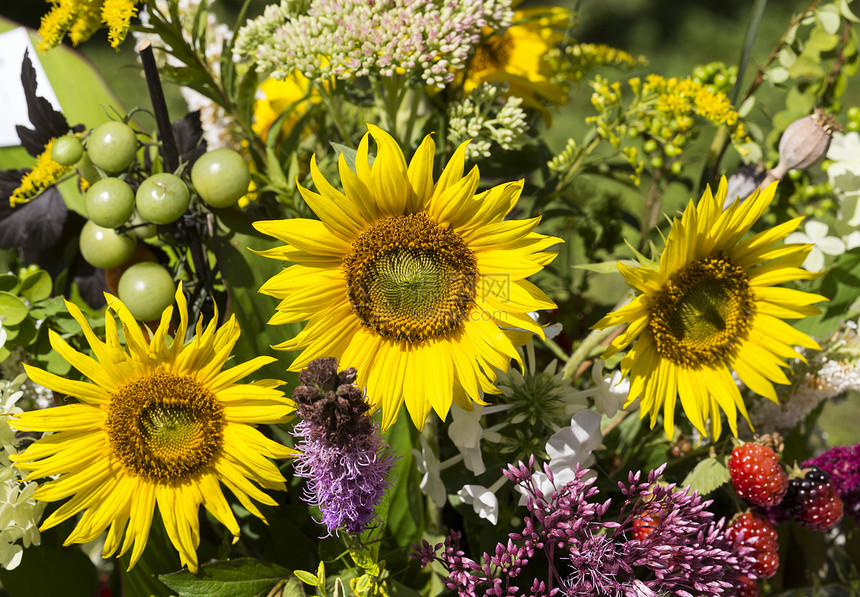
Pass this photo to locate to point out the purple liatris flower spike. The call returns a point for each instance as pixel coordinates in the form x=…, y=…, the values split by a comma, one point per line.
x=344, y=458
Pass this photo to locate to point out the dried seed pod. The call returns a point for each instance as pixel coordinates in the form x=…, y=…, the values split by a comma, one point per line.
x=804, y=142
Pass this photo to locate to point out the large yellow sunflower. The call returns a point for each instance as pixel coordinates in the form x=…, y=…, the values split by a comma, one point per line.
x=420, y=285
x=711, y=307
x=161, y=426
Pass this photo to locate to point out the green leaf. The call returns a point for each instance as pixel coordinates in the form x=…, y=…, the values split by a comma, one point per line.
x=244, y=577
x=51, y=570
x=707, y=476
x=406, y=508
x=606, y=267
x=777, y=75
x=244, y=272
x=12, y=309
x=845, y=11
x=841, y=284
x=309, y=578
x=37, y=286
x=9, y=283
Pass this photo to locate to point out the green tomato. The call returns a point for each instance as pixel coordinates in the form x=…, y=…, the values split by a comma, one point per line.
x=67, y=150
x=103, y=247
x=220, y=177
x=141, y=228
x=112, y=146
x=147, y=289
x=86, y=170
x=162, y=198
x=110, y=202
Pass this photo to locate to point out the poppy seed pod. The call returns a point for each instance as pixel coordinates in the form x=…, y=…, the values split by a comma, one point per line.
x=804, y=142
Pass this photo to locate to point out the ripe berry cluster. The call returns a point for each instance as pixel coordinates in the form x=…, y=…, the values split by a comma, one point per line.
x=808, y=498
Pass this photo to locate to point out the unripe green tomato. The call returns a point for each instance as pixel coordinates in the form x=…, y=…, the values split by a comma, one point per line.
x=86, y=170
x=220, y=177
x=112, y=146
x=140, y=228
x=147, y=289
x=110, y=202
x=162, y=198
x=103, y=247
x=67, y=150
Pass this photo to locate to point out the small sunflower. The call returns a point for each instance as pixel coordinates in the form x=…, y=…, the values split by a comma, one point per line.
x=711, y=307
x=419, y=285
x=161, y=426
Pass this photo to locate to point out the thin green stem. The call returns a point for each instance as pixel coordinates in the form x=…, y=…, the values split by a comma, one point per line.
x=584, y=349
x=334, y=112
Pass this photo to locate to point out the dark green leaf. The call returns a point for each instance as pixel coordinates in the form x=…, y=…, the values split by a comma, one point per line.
x=244, y=272
x=9, y=283
x=243, y=577
x=708, y=475
x=51, y=570
x=406, y=503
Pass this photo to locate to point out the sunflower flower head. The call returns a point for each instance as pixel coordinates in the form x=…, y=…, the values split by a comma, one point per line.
x=344, y=458
x=517, y=56
x=160, y=426
x=420, y=285
x=712, y=306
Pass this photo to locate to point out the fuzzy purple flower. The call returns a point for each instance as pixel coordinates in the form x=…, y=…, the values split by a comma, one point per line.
x=842, y=463
x=344, y=459
x=685, y=552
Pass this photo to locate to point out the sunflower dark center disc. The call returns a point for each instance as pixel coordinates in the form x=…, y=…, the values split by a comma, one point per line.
x=494, y=54
x=702, y=312
x=411, y=279
x=164, y=426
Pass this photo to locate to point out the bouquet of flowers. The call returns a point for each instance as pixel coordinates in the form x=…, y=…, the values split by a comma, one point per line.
x=367, y=319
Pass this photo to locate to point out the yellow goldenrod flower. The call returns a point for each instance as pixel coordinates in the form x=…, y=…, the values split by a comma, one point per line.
x=161, y=427
x=79, y=19
x=46, y=172
x=711, y=306
x=419, y=285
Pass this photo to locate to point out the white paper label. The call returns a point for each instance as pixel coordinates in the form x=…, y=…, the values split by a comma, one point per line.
x=13, y=103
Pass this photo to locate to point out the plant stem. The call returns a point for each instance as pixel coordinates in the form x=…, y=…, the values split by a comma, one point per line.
x=169, y=152
x=583, y=350
x=334, y=113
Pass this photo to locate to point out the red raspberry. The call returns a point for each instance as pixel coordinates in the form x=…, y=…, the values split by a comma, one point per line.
x=813, y=501
x=756, y=474
x=748, y=588
x=759, y=534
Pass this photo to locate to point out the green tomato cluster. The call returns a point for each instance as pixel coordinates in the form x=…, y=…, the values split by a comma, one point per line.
x=121, y=216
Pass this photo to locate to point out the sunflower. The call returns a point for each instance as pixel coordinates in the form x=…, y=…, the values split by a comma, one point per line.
x=275, y=97
x=162, y=425
x=711, y=307
x=517, y=56
x=418, y=285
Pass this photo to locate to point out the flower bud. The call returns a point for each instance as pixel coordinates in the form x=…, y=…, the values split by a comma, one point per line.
x=804, y=142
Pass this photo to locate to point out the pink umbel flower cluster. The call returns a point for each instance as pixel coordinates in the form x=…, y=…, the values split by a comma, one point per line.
x=684, y=552
x=428, y=40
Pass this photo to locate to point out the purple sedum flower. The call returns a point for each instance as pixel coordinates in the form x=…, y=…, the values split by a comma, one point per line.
x=686, y=553
x=344, y=458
